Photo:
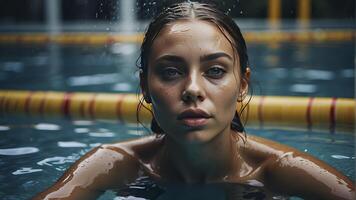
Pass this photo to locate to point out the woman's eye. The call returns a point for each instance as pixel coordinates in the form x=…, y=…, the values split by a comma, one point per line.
x=170, y=73
x=215, y=72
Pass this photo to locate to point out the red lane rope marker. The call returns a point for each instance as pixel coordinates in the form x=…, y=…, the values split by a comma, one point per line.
x=118, y=107
x=92, y=106
x=66, y=104
x=260, y=111
x=110, y=40
x=333, y=115
x=18, y=39
x=1, y=104
x=16, y=105
x=82, y=109
x=42, y=103
x=7, y=105
x=308, y=113
x=28, y=102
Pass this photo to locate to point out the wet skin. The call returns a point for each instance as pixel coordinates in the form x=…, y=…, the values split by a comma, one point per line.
x=193, y=83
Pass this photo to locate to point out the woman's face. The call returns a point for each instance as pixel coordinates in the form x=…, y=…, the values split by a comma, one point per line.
x=193, y=81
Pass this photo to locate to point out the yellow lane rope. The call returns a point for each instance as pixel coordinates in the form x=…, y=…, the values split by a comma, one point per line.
x=311, y=113
x=110, y=38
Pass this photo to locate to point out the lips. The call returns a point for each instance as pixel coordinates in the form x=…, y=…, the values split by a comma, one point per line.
x=194, y=117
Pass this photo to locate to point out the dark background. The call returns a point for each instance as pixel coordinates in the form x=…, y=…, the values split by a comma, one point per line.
x=19, y=11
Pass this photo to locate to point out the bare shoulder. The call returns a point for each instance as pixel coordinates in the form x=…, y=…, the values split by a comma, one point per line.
x=104, y=167
x=290, y=171
x=138, y=148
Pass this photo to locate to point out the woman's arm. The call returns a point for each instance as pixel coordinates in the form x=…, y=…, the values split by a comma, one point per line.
x=299, y=174
x=100, y=169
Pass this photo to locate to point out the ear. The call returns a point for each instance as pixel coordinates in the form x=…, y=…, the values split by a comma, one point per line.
x=144, y=89
x=244, y=85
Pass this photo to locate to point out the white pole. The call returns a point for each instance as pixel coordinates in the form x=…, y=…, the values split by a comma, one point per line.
x=53, y=20
x=126, y=14
x=53, y=16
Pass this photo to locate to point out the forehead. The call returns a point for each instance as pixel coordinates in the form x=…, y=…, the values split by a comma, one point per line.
x=191, y=36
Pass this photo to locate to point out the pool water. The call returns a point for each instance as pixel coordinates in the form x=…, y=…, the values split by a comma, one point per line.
x=35, y=151
x=321, y=69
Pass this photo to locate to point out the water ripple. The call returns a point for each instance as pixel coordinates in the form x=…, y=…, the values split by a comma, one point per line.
x=25, y=170
x=83, y=123
x=47, y=127
x=4, y=128
x=70, y=144
x=340, y=157
x=101, y=134
x=81, y=130
x=18, y=151
x=57, y=160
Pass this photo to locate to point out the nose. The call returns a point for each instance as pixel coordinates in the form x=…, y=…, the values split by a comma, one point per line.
x=194, y=89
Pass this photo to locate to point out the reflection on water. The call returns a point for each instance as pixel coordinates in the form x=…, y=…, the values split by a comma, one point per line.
x=101, y=134
x=57, y=160
x=303, y=88
x=25, y=170
x=18, y=151
x=70, y=144
x=47, y=127
x=342, y=157
x=82, y=122
x=96, y=79
x=4, y=128
x=81, y=130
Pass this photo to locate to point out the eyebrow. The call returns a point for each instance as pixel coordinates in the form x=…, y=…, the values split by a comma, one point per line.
x=214, y=56
x=171, y=58
x=204, y=58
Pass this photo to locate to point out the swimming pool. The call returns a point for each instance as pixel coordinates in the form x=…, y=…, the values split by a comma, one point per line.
x=35, y=151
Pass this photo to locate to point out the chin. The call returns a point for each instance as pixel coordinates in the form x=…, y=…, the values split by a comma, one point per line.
x=198, y=137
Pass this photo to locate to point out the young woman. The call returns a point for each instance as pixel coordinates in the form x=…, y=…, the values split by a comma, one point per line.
x=194, y=69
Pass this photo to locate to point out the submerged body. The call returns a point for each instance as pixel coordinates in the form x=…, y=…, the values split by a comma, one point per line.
x=194, y=71
x=262, y=163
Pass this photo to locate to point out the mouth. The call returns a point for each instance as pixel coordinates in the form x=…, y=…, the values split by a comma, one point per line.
x=194, y=117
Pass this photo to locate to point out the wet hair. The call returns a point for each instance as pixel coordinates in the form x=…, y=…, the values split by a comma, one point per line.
x=199, y=11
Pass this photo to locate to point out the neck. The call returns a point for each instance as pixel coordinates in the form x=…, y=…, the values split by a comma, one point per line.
x=203, y=162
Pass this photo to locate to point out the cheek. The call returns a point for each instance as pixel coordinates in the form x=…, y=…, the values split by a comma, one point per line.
x=162, y=98
x=226, y=100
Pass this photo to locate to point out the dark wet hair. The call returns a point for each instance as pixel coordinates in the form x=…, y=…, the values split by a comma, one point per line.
x=203, y=12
